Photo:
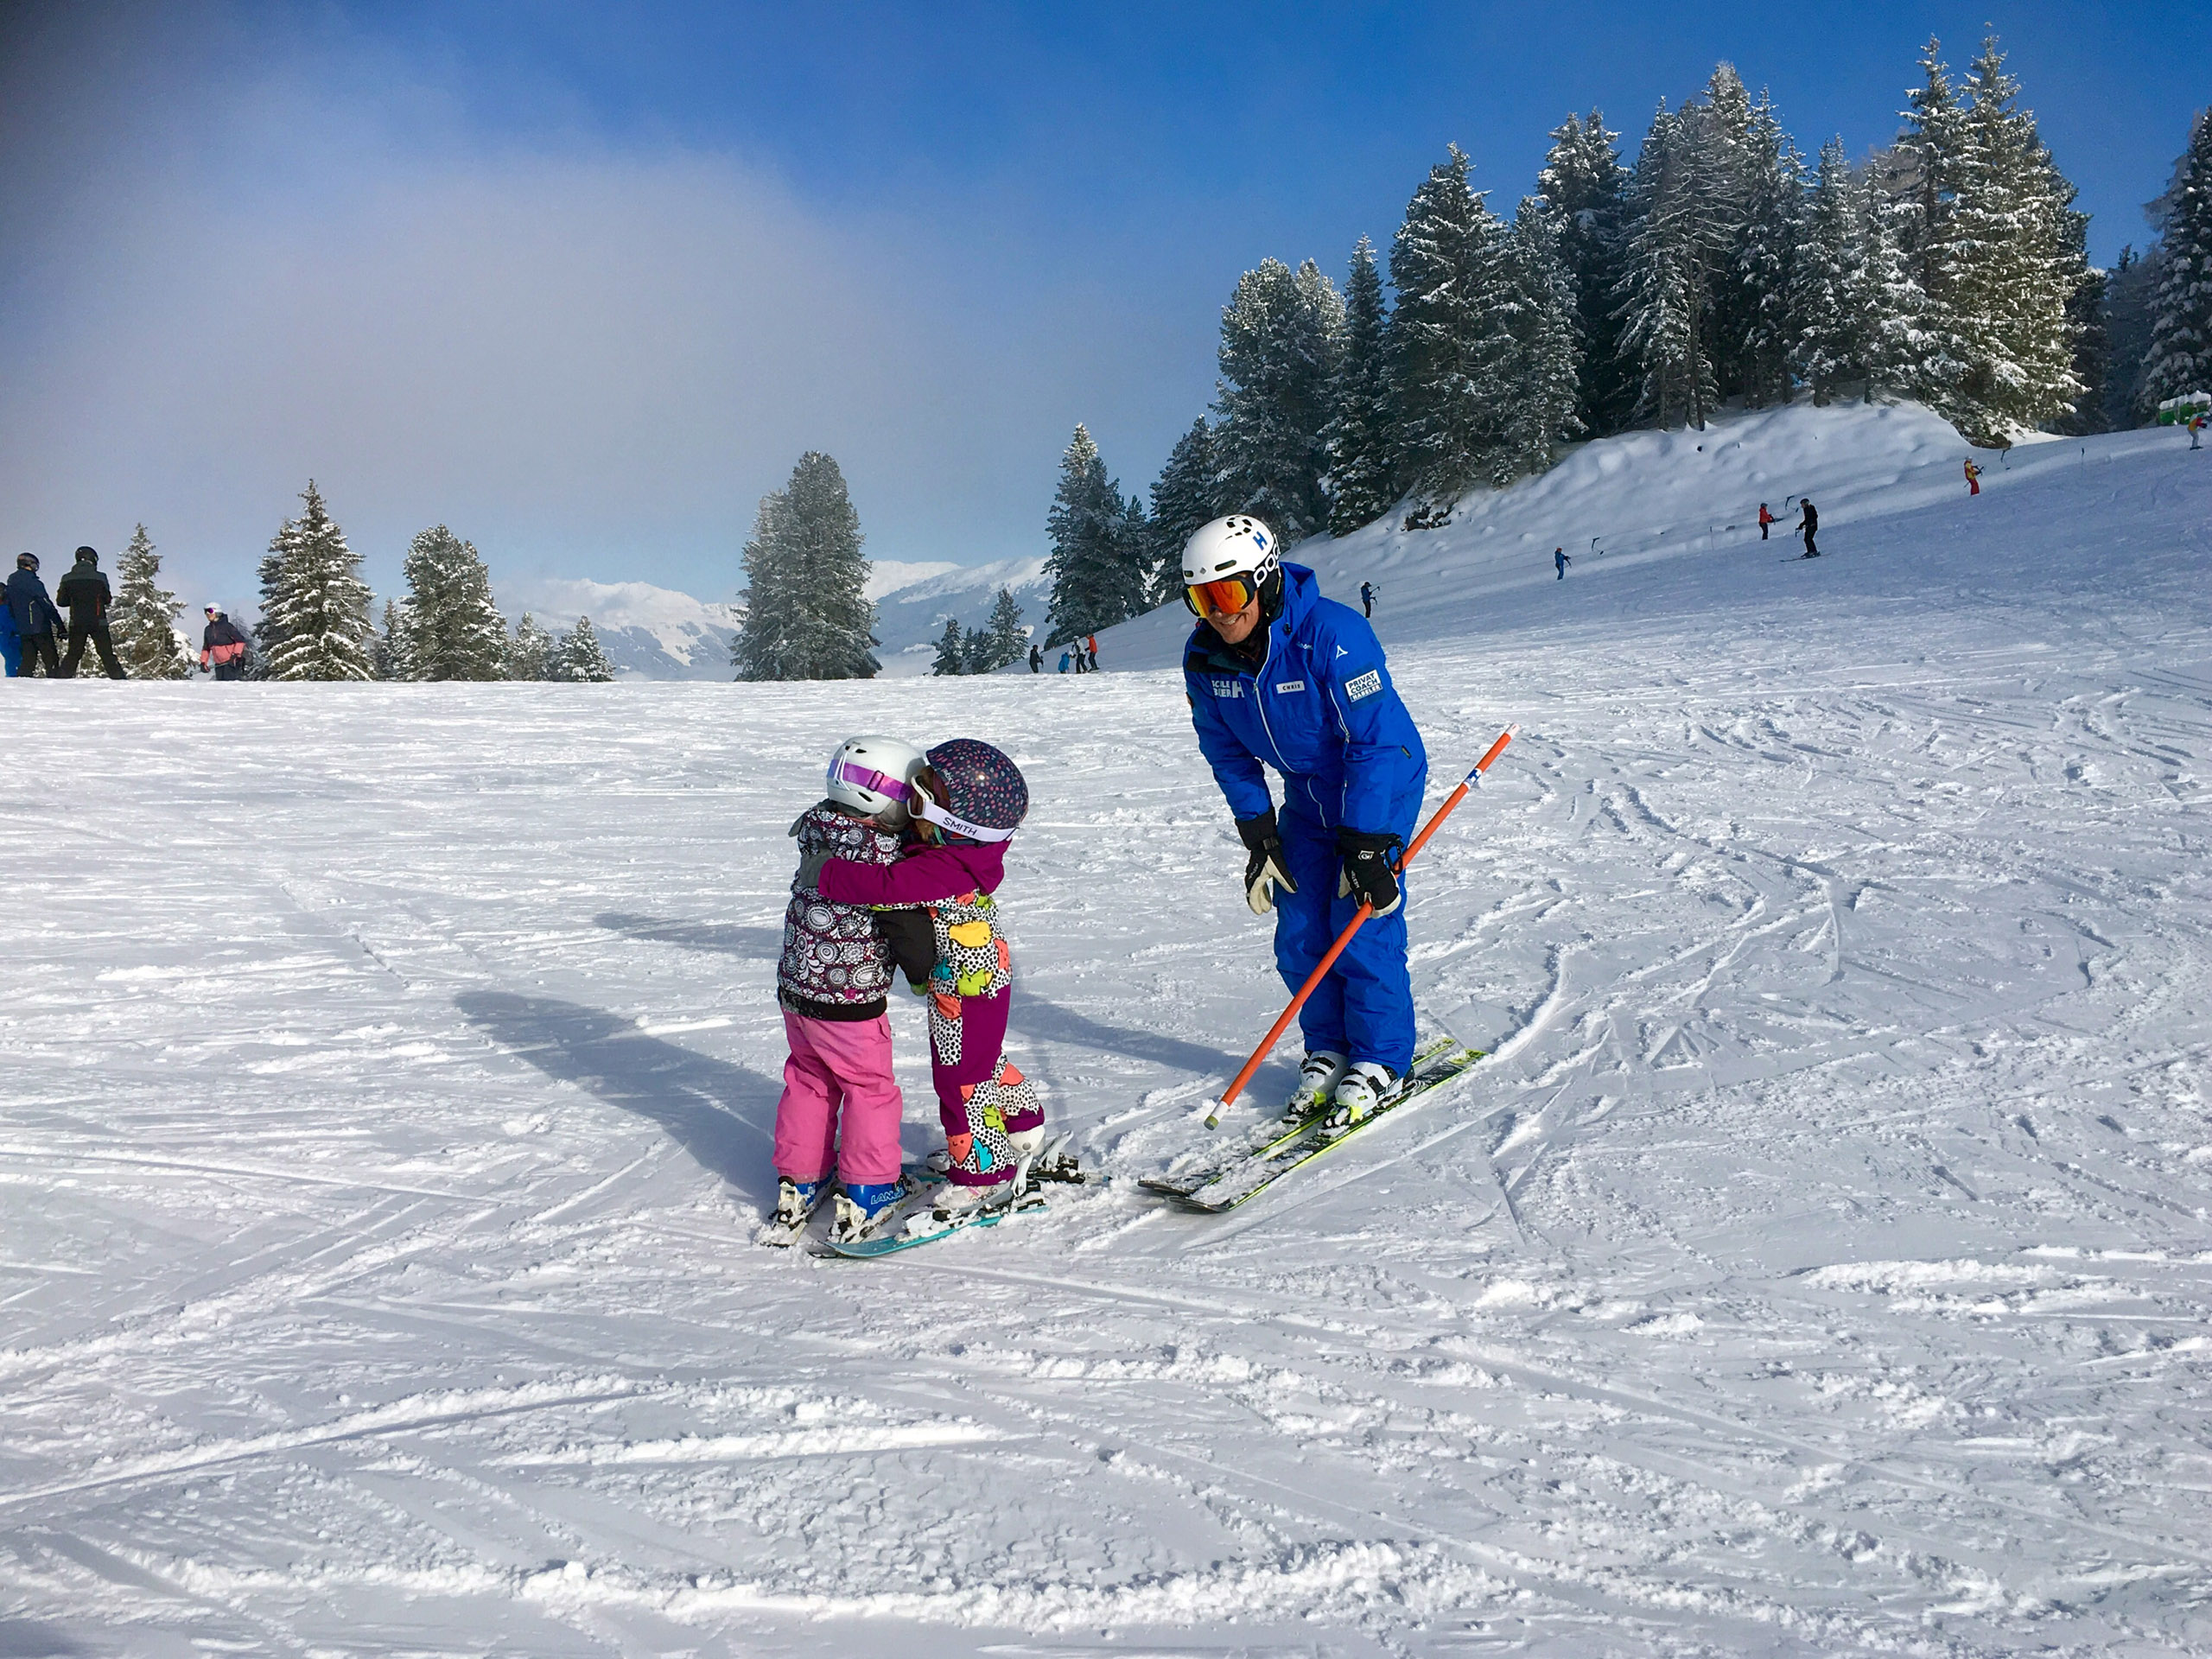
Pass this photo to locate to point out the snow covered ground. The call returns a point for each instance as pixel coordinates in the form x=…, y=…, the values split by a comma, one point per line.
x=1820, y=1265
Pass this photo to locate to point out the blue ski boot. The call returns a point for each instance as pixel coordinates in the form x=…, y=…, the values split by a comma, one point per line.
x=863, y=1206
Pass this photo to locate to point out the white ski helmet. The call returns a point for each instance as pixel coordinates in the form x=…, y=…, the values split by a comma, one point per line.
x=1238, y=552
x=871, y=773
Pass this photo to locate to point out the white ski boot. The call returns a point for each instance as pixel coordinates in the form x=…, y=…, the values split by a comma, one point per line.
x=863, y=1207
x=795, y=1200
x=1038, y=1158
x=958, y=1206
x=1317, y=1085
x=1367, y=1085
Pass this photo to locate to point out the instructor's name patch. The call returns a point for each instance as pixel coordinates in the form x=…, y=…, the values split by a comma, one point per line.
x=1290, y=685
x=1365, y=686
x=1229, y=688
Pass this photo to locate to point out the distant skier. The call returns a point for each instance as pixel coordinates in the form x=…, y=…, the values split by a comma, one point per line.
x=222, y=647
x=84, y=594
x=36, y=620
x=1766, y=521
x=1091, y=645
x=11, y=643
x=1366, y=598
x=1974, y=477
x=1808, y=527
x=1278, y=675
x=1559, y=561
x=2196, y=431
x=968, y=800
x=1064, y=662
x=1036, y=660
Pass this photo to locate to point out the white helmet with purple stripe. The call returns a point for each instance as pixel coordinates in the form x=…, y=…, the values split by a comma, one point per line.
x=871, y=773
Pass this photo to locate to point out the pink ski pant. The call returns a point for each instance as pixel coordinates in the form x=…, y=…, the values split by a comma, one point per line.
x=840, y=1106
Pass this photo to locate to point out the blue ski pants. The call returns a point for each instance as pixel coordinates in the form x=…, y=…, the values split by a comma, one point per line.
x=1365, y=1008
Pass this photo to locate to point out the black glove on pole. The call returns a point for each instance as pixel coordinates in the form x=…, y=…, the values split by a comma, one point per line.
x=1268, y=867
x=1367, y=869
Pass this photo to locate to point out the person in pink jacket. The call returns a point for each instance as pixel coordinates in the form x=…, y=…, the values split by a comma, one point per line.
x=967, y=803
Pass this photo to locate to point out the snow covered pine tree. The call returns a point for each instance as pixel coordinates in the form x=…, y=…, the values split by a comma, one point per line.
x=315, y=606
x=808, y=616
x=1096, y=565
x=143, y=620
x=1281, y=338
x=577, y=657
x=1185, y=495
x=530, y=653
x=2179, y=359
x=452, y=629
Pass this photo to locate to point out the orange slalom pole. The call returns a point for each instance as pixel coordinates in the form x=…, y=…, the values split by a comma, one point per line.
x=1359, y=918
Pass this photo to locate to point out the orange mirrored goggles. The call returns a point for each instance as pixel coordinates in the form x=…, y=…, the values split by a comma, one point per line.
x=1224, y=598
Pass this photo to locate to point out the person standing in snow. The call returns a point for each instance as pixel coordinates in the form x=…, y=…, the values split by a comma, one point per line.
x=968, y=801
x=11, y=643
x=1036, y=660
x=1766, y=521
x=222, y=647
x=1280, y=677
x=1559, y=561
x=2196, y=431
x=1974, y=477
x=840, y=1104
x=1064, y=661
x=84, y=594
x=1366, y=598
x=1808, y=527
x=36, y=620
x=1091, y=645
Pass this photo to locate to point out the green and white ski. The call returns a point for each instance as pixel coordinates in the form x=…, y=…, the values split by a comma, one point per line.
x=1243, y=1176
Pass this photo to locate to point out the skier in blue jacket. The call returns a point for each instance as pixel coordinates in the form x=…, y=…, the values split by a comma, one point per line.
x=1280, y=677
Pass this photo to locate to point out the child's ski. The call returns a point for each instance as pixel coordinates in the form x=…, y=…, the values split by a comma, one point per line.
x=1264, y=1140
x=1254, y=1174
x=891, y=1243
x=916, y=1176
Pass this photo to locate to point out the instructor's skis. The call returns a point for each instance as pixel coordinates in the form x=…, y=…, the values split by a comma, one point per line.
x=1225, y=1186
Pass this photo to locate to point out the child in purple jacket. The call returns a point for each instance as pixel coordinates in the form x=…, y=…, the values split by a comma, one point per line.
x=968, y=801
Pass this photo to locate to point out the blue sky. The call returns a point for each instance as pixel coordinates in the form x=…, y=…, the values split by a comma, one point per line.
x=583, y=281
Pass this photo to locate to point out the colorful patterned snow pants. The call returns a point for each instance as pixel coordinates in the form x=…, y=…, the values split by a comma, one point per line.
x=981, y=1098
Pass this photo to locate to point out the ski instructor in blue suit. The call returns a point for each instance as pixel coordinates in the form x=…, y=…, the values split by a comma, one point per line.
x=1279, y=675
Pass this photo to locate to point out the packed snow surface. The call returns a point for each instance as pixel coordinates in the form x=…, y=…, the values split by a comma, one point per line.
x=1820, y=1264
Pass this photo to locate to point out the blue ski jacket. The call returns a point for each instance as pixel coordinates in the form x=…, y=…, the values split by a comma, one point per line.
x=1319, y=708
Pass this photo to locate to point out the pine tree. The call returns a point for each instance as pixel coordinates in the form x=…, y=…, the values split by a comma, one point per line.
x=577, y=657
x=1448, y=348
x=808, y=616
x=1004, y=639
x=1281, y=339
x=2012, y=216
x=2178, y=359
x=1363, y=469
x=1826, y=298
x=1922, y=183
x=1096, y=566
x=1586, y=186
x=1728, y=130
x=2085, y=312
x=530, y=653
x=1542, y=366
x=1681, y=233
x=452, y=630
x=319, y=610
x=1760, y=270
x=388, y=647
x=2130, y=286
x=951, y=650
x=1186, y=495
x=143, y=620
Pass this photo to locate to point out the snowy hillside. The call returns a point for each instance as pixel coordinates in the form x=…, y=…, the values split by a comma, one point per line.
x=1819, y=1265
x=910, y=621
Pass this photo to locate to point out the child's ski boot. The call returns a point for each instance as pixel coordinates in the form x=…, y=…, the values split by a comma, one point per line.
x=1040, y=1159
x=795, y=1200
x=1367, y=1086
x=1317, y=1085
x=863, y=1206
x=959, y=1207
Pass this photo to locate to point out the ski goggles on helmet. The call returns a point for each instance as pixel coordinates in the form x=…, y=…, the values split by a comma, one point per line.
x=1224, y=597
x=925, y=806
x=862, y=777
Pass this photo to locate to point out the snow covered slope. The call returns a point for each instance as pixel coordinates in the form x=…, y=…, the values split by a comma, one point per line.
x=1820, y=1265
x=910, y=620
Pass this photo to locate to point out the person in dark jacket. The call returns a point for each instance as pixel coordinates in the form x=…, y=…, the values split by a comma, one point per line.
x=1036, y=660
x=222, y=647
x=11, y=643
x=84, y=594
x=1808, y=526
x=1366, y=598
x=35, y=619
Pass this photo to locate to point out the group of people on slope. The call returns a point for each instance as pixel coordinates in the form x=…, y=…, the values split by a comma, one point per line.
x=1808, y=525
x=33, y=625
x=900, y=862
x=1081, y=653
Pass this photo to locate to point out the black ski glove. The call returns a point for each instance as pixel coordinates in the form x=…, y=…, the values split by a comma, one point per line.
x=1367, y=869
x=809, y=869
x=1268, y=867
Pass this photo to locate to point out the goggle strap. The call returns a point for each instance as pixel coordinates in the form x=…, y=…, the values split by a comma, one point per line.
x=851, y=773
x=956, y=824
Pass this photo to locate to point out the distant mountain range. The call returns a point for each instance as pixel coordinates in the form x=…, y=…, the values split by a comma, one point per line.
x=658, y=633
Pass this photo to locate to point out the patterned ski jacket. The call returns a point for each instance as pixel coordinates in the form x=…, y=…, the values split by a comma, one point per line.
x=1319, y=707
x=954, y=882
x=835, y=965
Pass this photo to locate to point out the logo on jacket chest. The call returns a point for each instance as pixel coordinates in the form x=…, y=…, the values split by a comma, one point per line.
x=1229, y=688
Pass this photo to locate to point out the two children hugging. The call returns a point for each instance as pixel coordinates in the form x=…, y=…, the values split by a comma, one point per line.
x=896, y=867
